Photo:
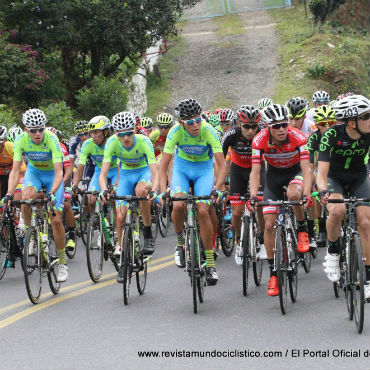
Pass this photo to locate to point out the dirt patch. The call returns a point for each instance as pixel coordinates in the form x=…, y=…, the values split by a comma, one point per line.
x=228, y=70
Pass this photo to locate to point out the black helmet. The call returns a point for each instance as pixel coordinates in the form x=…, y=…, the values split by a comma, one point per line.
x=297, y=107
x=188, y=108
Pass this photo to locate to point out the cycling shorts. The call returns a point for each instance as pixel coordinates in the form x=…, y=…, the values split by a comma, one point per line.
x=344, y=184
x=239, y=182
x=200, y=173
x=111, y=178
x=37, y=178
x=128, y=179
x=276, y=179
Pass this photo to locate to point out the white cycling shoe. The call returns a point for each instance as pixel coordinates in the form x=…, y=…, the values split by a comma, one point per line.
x=117, y=250
x=331, y=265
x=367, y=290
x=239, y=254
x=62, y=275
x=262, y=254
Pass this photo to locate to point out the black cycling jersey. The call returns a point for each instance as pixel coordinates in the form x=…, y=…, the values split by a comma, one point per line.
x=344, y=154
x=314, y=145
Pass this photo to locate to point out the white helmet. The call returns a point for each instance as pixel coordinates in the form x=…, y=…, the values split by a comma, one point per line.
x=124, y=121
x=3, y=133
x=98, y=123
x=34, y=118
x=351, y=106
x=274, y=112
x=14, y=132
x=321, y=96
x=264, y=102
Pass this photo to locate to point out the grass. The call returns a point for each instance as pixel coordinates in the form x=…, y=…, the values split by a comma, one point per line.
x=229, y=25
x=158, y=91
x=221, y=102
x=316, y=65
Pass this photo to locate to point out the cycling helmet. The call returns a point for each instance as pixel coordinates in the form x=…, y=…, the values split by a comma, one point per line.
x=3, y=133
x=205, y=115
x=264, y=102
x=165, y=119
x=324, y=113
x=213, y=119
x=274, y=112
x=217, y=110
x=226, y=116
x=34, y=118
x=146, y=122
x=320, y=96
x=248, y=114
x=13, y=133
x=81, y=126
x=351, y=106
x=51, y=129
x=124, y=121
x=188, y=108
x=137, y=118
x=297, y=107
x=99, y=123
x=341, y=96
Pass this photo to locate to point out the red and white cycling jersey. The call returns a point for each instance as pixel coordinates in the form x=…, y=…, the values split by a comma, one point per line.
x=290, y=153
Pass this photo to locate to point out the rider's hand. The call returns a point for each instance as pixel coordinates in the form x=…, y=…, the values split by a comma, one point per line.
x=252, y=203
x=52, y=198
x=218, y=195
x=324, y=196
x=152, y=195
x=74, y=190
x=103, y=196
x=7, y=198
x=160, y=199
x=307, y=201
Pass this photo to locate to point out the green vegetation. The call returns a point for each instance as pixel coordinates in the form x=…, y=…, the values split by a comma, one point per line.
x=221, y=102
x=228, y=25
x=158, y=91
x=335, y=59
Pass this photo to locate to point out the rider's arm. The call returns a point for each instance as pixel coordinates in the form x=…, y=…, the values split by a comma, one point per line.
x=154, y=170
x=254, y=179
x=14, y=177
x=78, y=174
x=103, y=176
x=221, y=171
x=307, y=177
x=322, y=175
x=58, y=178
x=163, y=169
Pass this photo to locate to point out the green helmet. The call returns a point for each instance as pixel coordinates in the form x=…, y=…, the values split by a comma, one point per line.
x=213, y=120
x=13, y=133
x=165, y=119
x=324, y=113
x=146, y=122
x=99, y=123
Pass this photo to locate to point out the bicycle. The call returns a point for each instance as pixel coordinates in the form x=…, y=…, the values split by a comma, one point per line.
x=75, y=204
x=11, y=239
x=100, y=238
x=84, y=213
x=225, y=229
x=132, y=259
x=40, y=254
x=194, y=259
x=250, y=245
x=351, y=262
x=165, y=218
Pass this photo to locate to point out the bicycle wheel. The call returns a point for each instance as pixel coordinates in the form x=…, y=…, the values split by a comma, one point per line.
x=193, y=268
x=142, y=274
x=257, y=263
x=201, y=272
x=164, y=220
x=282, y=264
x=71, y=252
x=127, y=248
x=307, y=259
x=293, y=270
x=245, y=248
x=358, y=274
x=32, y=262
x=4, y=249
x=227, y=233
x=53, y=267
x=155, y=221
x=94, y=248
x=84, y=219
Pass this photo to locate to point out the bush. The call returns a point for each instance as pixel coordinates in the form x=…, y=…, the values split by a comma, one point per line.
x=60, y=116
x=104, y=97
x=317, y=71
x=7, y=117
x=318, y=9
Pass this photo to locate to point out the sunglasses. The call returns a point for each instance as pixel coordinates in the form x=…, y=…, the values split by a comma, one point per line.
x=326, y=124
x=249, y=127
x=125, y=133
x=192, y=121
x=83, y=133
x=277, y=126
x=35, y=130
x=164, y=126
x=365, y=117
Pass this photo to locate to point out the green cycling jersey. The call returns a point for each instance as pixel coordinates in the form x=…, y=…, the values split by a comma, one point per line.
x=193, y=148
x=141, y=153
x=41, y=156
x=96, y=152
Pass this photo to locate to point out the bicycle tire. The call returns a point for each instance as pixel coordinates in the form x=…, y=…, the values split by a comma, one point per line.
x=126, y=248
x=293, y=272
x=245, y=248
x=142, y=275
x=32, y=265
x=164, y=220
x=307, y=260
x=53, y=267
x=358, y=270
x=200, y=276
x=155, y=221
x=84, y=219
x=257, y=263
x=227, y=241
x=4, y=250
x=94, y=248
x=282, y=268
x=347, y=281
x=193, y=278
x=71, y=252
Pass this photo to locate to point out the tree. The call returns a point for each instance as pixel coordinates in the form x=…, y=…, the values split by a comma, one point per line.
x=93, y=36
x=320, y=9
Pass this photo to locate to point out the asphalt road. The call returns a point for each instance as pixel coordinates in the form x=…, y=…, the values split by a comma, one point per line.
x=87, y=325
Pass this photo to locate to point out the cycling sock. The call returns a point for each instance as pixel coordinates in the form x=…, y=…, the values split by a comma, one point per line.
x=210, y=258
x=302, y=226
x=311, y=228
x=148, y=232
x=333, y=247
x=180, y=241
x=71, y=233
x=62, y=257
x=271, y=266
x=367, y=269
x=316, y=224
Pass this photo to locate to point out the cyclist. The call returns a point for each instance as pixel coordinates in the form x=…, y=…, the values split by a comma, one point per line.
x=158, y=137
x=94, y=147
x=286, y=153
x=297, y=108
x=341, y=171
x=139, y=129
x=13, y=133
x=319, y=98
x=147, y=124
x=45, y=167
x=137, y=173
x=213, y=120
x=196, y=144
x=239, y=140
x=225, y=117
x=264, y=102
